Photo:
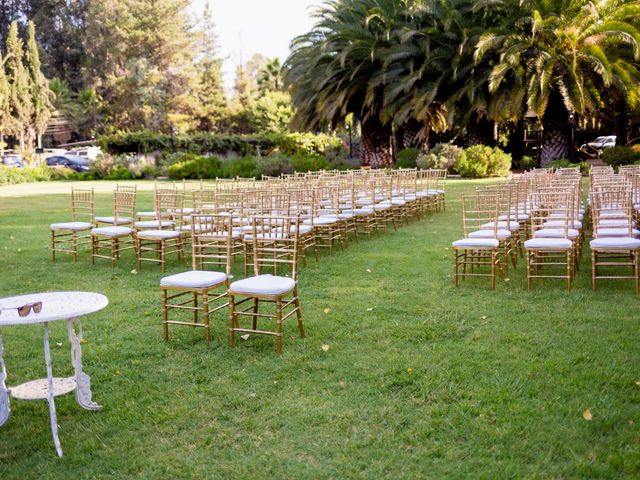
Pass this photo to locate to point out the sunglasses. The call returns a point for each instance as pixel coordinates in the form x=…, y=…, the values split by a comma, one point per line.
x=25, y=310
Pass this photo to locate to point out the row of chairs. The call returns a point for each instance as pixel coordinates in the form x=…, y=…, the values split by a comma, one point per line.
x=541, y=214
x=270, y=224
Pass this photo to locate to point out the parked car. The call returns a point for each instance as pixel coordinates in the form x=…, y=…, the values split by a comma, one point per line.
x=88, y=152
x=12, y=160
x=600, y=143
x=74, y=162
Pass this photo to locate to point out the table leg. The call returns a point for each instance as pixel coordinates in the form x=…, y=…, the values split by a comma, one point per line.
x=4, y=393
x=83, y=381
x=50, y=396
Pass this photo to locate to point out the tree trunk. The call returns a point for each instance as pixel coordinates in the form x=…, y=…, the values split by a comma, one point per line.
x=376, y=144
x=554, y=143
x=480, y=131
x=414, y=134
x=22, y=140
x=1, y=144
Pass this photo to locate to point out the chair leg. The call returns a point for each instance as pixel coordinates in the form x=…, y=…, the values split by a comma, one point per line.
x=205, y=316
x=232, y=322
x=594, y=270
x=296, y=302
x=255, y=311
x=165, y=316
x=279, y=325
x=195, y=306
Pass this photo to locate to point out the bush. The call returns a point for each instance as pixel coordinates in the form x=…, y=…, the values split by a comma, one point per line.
x=442, y=156
x=620, y=156
x=274, y=165
x=564, y=163
x=13, y=175
x=245, y=167
x=407, y=158
x=309, y=163
x=119, y=173
x=62, y=173
x=481, y=161
x=194, y=167
x=528, y=163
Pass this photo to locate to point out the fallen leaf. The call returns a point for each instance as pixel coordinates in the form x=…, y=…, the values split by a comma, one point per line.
x=59, y=344
x=134, y=272
x=341, y=383
x=369, y=309
x=507, y=279
x=483, y=317
x=409, y=371
x=368, y=270
x=638, y=382
x=587, y=414
x=325, y=347
x=84, y=341
x=244, y=337
x=326, y=310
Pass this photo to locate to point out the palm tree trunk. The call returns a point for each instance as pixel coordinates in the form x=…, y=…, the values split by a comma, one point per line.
x=413, y=134
x=376, y=144
x=554, y=144
x=479, y=131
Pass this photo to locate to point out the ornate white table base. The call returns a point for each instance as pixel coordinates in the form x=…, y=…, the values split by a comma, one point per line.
x=47, y=389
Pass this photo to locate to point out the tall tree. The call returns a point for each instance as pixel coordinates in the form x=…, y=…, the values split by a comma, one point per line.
x=5, y=110
x=20, y=102
x=41, y=95
x=270, y=77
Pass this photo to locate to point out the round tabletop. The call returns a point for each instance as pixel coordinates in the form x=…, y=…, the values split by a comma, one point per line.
x=55, y=306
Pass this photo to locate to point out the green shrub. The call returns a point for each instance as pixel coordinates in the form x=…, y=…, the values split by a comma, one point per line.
x=481, y=161
x=119, y=173
x=564, y=163
x=245, y=167
x=407, y=158
x=62, y=173
x=442, y=156
x=620, y=156
x=528, y=163
x=308, y=163
x=13, y=175
x=194, y=167
x=274, y=165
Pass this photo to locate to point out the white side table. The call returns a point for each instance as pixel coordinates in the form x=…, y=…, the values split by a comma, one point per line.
x=69, y=306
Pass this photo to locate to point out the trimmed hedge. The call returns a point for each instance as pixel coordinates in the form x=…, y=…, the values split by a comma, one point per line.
x=215, y=144
x=13, y=175
x=481, y=161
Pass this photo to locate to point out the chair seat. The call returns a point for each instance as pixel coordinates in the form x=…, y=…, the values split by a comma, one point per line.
x=560, y=224
x=74, y=226
x=617, y=232
x=345, y=216
x=235, y=234
x=364, y=201
x=358, y=212
x=410, y=198
x=114, y=232
x=398, y=201
x=328, y=220
x=513, y=226
x=548, y=243
x=424, y=194
x=615, y=243
x=146, y=214
x=500, y=235
x=556, y=233
x=263, y=285
x=114, y=221
x=154, y=224
x=476, y=243
x=621, y=222
x=158, y=234
x=520, y=217
x=194, y=279
x=613, y=214
x=267, y=236
x=381, y=207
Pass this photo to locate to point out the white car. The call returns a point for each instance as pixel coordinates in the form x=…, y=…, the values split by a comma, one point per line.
x=601, y=143
x=91, y=153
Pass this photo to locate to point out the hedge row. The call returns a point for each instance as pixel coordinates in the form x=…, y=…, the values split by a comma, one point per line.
x=216, y=144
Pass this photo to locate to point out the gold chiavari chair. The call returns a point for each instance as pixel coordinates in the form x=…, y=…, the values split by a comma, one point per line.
x=148, y=215
x=326, y=227
x=161, y=240
x=67, y=236
x=614, y=245
x=124, y=203
x=545, y=250
x=472, y=254
x=200, y=291
x=275, y=246
x=109, y=241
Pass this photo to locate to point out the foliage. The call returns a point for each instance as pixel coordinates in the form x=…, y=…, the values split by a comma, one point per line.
x=274, y=165
x=407, y=158
x=441, y=156
x=481, y=161
x=13, y=175
x=271, y=112
x=245, y=167
x=620, y=155
x=565, y=163
x=195, y=167
x=527, y=162
x=119, y=173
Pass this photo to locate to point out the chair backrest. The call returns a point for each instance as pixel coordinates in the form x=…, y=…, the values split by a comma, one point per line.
x=124, y=204
x=552, y=205
x=275, y=243
x=169, y=205
x=82, y=202
x=612, y=205
x=478, y=210
x=212, y=237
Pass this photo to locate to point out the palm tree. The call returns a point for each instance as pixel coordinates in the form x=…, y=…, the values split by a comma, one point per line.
x=561, y=58
x=270, y=78
x=338, y=68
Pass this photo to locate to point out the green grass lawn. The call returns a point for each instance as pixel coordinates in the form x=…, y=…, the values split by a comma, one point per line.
x=421, y=380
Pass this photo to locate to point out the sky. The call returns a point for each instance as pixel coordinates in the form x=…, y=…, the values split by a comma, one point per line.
x=245, y=27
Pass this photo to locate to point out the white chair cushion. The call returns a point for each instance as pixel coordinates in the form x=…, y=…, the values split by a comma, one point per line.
x=112, y=231
x=157, y=234
x=194, y=279
x=615, y=243
x=398, y=201
x=146, y=214
x=424, y=194
x=555, y=233
x=381, y=207
x=112, y=220
x=621, y=222
x=267, y=236
x=154, y=224
x=235, y=234
x=263, y=285
x=521, y=217
x=321, y=221
x=560, y=224
x=75, y=226
x=548, y=243
x=476, y=243
x=501, y=234
x=410, y=198
x=345, y=216
x=364, y=201
x=616, y=232
x=360, y=211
